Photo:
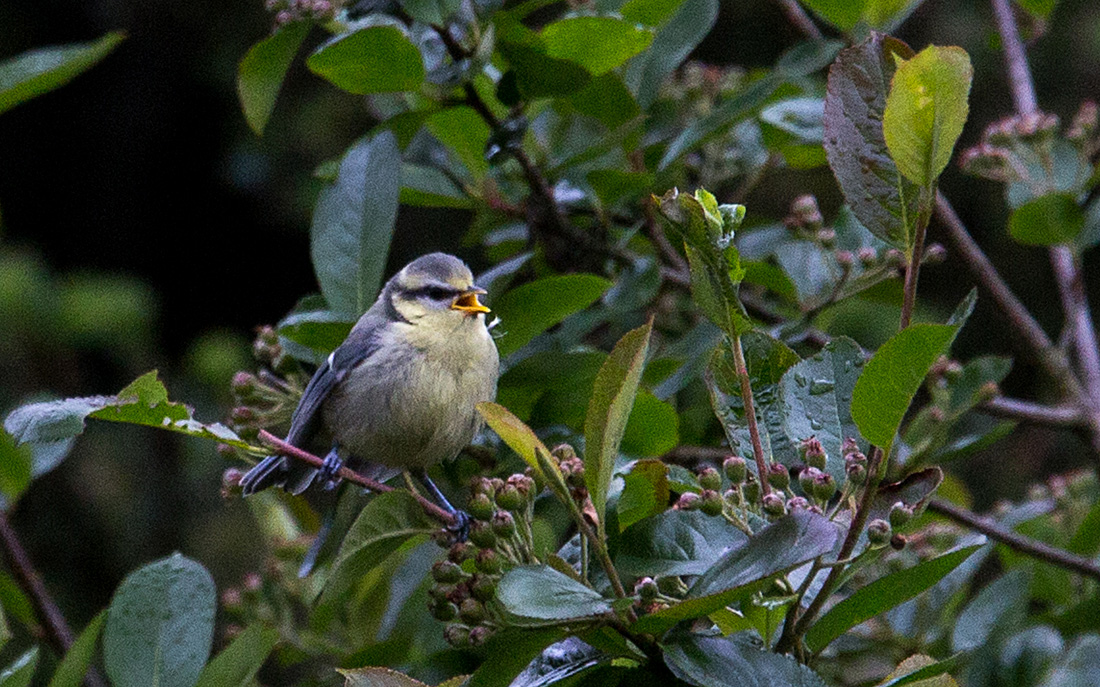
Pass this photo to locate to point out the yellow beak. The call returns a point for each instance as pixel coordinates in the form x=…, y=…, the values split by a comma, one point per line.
x=468, y=302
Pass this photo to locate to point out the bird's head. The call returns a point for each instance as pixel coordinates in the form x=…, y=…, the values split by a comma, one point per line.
x=436, y=285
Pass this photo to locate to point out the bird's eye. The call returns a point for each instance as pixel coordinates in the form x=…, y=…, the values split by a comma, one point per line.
x=438, y=293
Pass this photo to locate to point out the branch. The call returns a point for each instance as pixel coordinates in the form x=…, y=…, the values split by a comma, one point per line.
x=750, y=415
x=802, y=21
x=1019, y=76
x=1016, y=542
x=291, y=451
x=1035, y=413
x=58, y=633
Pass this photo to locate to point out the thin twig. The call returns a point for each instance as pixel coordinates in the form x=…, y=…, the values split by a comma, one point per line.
x=291, y=451
x=1019, y=76
x=801, y=21
x=750, y=414
x=1035, y=413
x=1016, y=542
x=912, y=267
x=57, y=630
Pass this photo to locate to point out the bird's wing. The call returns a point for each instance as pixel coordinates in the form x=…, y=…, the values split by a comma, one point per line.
x=296, y=476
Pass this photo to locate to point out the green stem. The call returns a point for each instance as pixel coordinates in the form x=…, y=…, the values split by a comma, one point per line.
x=750, y=414
x=912, y=268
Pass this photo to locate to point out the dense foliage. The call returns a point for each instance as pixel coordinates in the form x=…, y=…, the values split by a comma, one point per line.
x=691, y=475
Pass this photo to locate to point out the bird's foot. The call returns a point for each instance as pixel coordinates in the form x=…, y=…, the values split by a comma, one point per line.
x=459, y=530
x=329, y=472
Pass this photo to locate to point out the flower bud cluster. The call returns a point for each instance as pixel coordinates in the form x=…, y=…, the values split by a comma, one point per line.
x=265, y=400
x=500, y=538
x=805, y=221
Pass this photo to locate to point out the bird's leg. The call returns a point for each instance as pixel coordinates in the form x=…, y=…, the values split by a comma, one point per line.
x=315, y=548
x=329, y=472
x=461, y=526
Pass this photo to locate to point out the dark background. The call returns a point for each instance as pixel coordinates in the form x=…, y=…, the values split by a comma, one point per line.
x=145, y=226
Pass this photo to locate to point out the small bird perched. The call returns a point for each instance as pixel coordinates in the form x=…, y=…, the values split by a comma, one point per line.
x=401, y=391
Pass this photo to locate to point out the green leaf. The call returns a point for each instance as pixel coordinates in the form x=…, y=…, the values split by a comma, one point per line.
x=533, y=308
x=1040, y=9
x=999, y=605
x=21, y=671
x=238, y=663
x=645, y=492
x=608, y=412
x=926, y=110
x=431, y=11
x=891, y=378
x=607, y=99
x=672, y=45
x=377, y=677
x=260, y=74
x=538, y=595
x=796, y=63
x=519, y=437
x=816, y=396
x=883, y=200
x=160, y=625
x=653, y=427
x=509, y=652
x=918, y=668
x=375, y=59
x=313, y=334
x=15, y=471
x=612, y=185
x=778, y=548
x=74, y=666
x=599, y=44
x=387, y=522
x=430, y=187
x=1079, y=666
x=882, y=595
x=843, y=14
x=650, y=12
x=767, y=360
x=537, y=74
x=50, y=427
x=736, y=661
x=42, y=70
x=675, y=542
x=465, y=134
x=353, y=224
x=1055, y=218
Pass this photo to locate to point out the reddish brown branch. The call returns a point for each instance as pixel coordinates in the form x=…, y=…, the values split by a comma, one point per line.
x=350, y=475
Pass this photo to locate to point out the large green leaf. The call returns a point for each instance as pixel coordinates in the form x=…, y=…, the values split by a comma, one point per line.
x=882, y=595
x=42, y=70
x=796, y=63
x=645, y=492
x=353, y=224
x=916, y=670
x=1079, y=666
x=999, y=605
x=878, y=14
x=676, y=542
x=533, y=308
x=537, y=74
x=465, y=134
x=431, y=187
x=312, y=335
x=1048, y=220
x=609, y=410
x=51, y=426
x=882, y=199
x=238, y=663
x=891, y=378
x=74, y=666
x=260, y=74
x=708, y=661
x=509, y=652
x=519, y=437
x=15, y=470
x=387, y=522
x=372, y=676
x=674, y=42
x=778, y=548
x=926, y=110
x=160, y=625
x=375, y=59
x=20, y=672
x=540, y=595
x=599, y=44
x=816, y=396
x=767, y=360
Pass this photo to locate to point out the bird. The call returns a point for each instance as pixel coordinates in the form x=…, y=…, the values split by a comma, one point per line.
x=400, y=393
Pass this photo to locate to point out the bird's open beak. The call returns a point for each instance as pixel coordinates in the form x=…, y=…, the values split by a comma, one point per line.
x=468, y=302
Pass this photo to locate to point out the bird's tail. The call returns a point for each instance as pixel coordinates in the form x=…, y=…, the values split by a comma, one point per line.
x=270, y=471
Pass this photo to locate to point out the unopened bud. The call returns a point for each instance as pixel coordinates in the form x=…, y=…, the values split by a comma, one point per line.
x=689, y=501
x=826, y=237
x=510, y=499
x=850, y=445
x=797, y=503
x=441, y=609
x=504, y=525
x=231, y=482
x=778, y=476
x=751, y=490
x=479, y=635
x=709, y=478
x=563, y=452
x=900, y=515
x=935, y=254
x=481, y=534
x=461, y=551
x=806, y=480
x=856, y=473
x=824, y=487
x=710, y=502
x=1085, y=122
x=735, y=469
x=732, y=497
x=472, y=611
x=482, y=587
x=457, y=635
x=813, y=453
x=646, y=589
x=845, y=259
x=773, y=504
x=231, y=599
x=244, y=385
x=879, y=532
x=488, y=561
x=867, y=256
x=898, y=542
x=480, y=507
x=447, y=572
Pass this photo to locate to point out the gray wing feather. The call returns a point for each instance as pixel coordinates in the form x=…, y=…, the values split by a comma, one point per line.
x=293, y=475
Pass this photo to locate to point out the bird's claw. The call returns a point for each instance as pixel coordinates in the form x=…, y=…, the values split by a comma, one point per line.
x=459, y=529
x=329, y=472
